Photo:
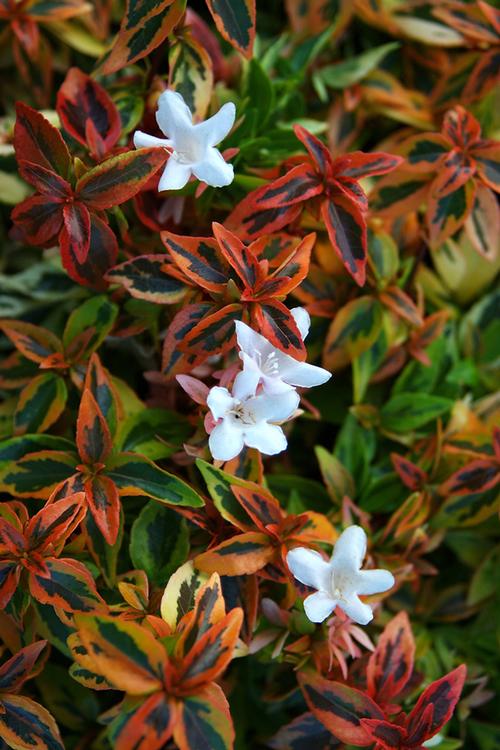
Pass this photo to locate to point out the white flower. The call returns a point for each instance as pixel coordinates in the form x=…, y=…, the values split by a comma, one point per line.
x=340, y=581
x=244, y=419
x=193, y=146
x=276, y=371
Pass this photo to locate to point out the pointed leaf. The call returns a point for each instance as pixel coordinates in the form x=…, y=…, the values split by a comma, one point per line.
x=346, y=226
x=39, y=218
x=92, y=432
x=409, y=411
x=37, y=141
x=45, y=180
x=476, y=476
x=401, y=304
x=276, y=323
x=235, y=20
x=40, y=404
x=447, y=213
x=239, y=257
x=296, y=186
x=25, y=725
x=317, y=150
x=75, y=235
x=249, y=221
x=442, y=696
x=37, y=474
x=102, y=253
x=88, y=325
x=488, y=164
x=16, y=670
x=34, y=342
x=146, y=277
x=387, y=736
x=205, y=721
x=355, y=328
x=200, y=259
x=159, y=542
x=148, y=726
x=104, y=503
x=54, y=523
x=214, y=334
x=483, y=223
x=358, y=164
x=242, y=555
x=68, y=586
x=391, y=664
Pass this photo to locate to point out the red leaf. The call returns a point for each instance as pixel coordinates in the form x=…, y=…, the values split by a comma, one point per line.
x=454, y=172
x=148, y=727
x=358, y=164
x=461, y=127
x=401, y=305
x=37, y=141
x=44, y=180
x=249, y=222
x=75, y=235
x=477, y=476
x=339, y=707
x=68, y=586
x=199, y=258
x=487, y=157
x=316, y=149
x=54, y=523
x=387, y=735
x=346, y=226
x=10, y=573
x=88, y=113
x=39, y=218
x=101, y=256
x=411, y=475
x=296, y=186
x=103, y=500
x=293, y=270
x=173, y=360
x=214, y=334
x=239, y=256
x=446, y=214
x=16, y=670
x=391, y=664
x=277, y=325
x=442, y=695
x=119, y=178
x=93, y=437
x=262, y=507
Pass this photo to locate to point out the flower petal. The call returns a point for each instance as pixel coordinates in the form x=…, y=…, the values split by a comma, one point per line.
x=175, y=175
x=319, y=606
x=374, y=581
x=274, y=408
x=267, y=438
x=356, y=610
x=225, y=442
x=302, y=320
x=219, y=401
x=310, y=568
x=215, y=129
x=251, y=342
x=173, y=115
x=350, y=549
x=302, y=374
x=143, y=140
x=214, y=170
x=246, y=381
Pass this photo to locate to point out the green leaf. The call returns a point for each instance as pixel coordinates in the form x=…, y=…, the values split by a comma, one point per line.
x=354, y=329
x=71, y=704
x=40, y=403
x=346, y=73
x=159, y=542
x=485, y=580
x=409, y=411
x=37, y=474
x=136, y=475
x=154, y=433
x=90, y=323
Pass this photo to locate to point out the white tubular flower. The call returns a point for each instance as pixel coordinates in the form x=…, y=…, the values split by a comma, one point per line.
x=193, y=146
x=244, y=419
x=340, y=581
x=276, y=371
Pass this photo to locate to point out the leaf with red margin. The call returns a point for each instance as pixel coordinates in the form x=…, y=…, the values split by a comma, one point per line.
x=34, y=342
x=16, y=670
x=401, y=305
x=12, y=540
x=388, y=736
x=146, y=277
x=37, y=141
x=483, y=223
x=399, y=193
x=28, y=34
x=88, y=113
x=296, y=186
x=212, y=652
x=144, y=27
x=173, y=360
x=242, y=555
x=37, y=474
x=431, y=329
x=477, y=476
x=119, y=178
x=68, y=586
x=39, y=218
x=93, y=437
x=469, y=20
x=461, y=127
x=26, y=724
x=10, y=573
x=208, y=610
x=200, y=259
x=454, y=171
x=496, y=442
x=446, y=214
x=57, y=10
x=262, y=507
x=214, y=334
x=44, y=180
x=250, y=222
x=205, y=718
x=103, y=501
x=358, y=164
x=143, y=726
x=488, y=164
x=102, y=254
x=292, y=271
x=411, y=475
x=239, y=257
x=302, y=733
x=423, y=152
x=339, y=707
x=55, y=523
x=123, y=652
x=442, y=696
x=317, y=150
x=98, y=382
x=75, y=235
x=391, y=664
x=235, y=20
x=345, y=223
x=276, y=323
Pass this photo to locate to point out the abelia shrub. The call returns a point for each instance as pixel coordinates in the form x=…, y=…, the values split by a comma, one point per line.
x=249, y=317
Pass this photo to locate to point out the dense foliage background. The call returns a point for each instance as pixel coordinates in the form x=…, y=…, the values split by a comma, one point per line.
x=109, y=493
